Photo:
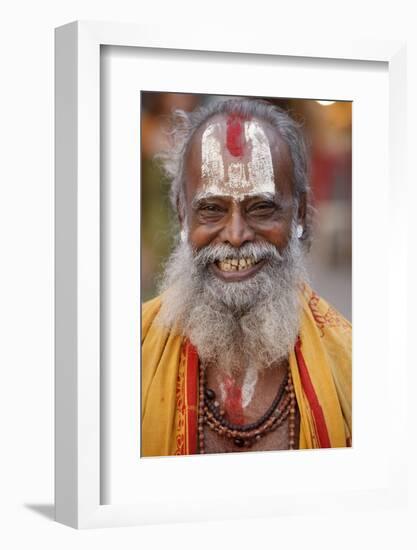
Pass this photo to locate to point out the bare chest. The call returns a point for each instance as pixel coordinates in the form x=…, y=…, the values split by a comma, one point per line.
x=249, y=412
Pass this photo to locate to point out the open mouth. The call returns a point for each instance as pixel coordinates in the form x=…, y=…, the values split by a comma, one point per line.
x=233, y=264
x=237, y=269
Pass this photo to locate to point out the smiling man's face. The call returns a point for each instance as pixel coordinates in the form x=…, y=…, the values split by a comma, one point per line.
x=238, y=177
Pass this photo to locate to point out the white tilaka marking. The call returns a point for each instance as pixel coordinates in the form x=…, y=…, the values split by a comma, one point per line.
x=248, y=388
x=212, y=168
x=261, y=172
x=244, y=179
x=237, y=177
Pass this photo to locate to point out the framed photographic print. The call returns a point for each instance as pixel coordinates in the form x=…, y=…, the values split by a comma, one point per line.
x=227, y=315
x=114, y=453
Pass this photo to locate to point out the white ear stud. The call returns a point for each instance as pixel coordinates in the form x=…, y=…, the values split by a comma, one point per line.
x=300, y=231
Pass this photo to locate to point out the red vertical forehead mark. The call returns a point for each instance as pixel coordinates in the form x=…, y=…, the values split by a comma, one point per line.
x=235, y=136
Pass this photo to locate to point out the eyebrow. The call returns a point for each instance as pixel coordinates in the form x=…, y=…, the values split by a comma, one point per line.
x=207, y=195
x=276, y=198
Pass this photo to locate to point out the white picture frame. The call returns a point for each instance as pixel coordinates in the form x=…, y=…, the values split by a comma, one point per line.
x=78, y=264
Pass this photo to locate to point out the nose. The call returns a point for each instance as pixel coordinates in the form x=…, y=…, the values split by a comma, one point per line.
x=237, y=231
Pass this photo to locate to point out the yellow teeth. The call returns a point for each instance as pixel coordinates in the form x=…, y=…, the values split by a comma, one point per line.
x=233, y=264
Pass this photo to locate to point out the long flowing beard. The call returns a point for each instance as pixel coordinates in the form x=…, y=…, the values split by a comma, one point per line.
x=235, y=325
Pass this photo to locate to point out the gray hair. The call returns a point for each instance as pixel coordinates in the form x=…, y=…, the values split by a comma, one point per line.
x=184, y=126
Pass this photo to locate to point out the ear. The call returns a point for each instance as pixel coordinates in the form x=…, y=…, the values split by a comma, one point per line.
x=302, y=209
x=180, y=220
x=181, y=217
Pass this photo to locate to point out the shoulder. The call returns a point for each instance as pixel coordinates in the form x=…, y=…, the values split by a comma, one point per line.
x=151, y=306
x=326, y=318
x=327, y=338
x=327, y=326
x=150, y=310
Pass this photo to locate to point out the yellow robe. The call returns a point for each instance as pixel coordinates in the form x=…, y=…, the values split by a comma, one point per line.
x=320, y=365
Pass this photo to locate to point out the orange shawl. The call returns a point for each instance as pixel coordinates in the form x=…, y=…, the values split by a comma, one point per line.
x=320, y=366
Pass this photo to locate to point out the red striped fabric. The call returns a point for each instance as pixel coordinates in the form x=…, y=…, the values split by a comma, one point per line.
x=308, y=388
x=191, y=388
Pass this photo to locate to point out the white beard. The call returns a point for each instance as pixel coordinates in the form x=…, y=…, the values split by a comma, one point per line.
x=235, y=325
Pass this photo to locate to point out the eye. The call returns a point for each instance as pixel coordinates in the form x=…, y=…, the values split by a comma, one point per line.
x=210, y=208
x=210, y=211
x=262, y=209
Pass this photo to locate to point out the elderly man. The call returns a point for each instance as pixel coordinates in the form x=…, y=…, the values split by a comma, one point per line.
x=238, y=353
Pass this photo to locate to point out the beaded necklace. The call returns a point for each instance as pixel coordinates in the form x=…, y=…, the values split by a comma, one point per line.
x=244, y=436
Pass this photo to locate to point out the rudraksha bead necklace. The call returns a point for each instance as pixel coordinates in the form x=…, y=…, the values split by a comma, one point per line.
x=244, y=436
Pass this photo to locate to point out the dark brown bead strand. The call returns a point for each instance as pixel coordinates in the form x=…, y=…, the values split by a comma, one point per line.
x=291, y=422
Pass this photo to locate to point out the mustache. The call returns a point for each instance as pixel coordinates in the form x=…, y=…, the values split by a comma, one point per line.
x=223, y=251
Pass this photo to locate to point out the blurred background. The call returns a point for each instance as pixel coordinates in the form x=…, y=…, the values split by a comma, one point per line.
x=328, y=129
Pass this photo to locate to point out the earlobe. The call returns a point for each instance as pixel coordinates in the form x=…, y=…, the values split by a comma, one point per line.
x=183, y=227
x=301, y=214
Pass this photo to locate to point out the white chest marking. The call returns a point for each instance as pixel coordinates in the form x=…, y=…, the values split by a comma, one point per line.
x=248, y=387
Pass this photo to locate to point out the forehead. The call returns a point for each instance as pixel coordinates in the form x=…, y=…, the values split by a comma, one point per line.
x=236, y=156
